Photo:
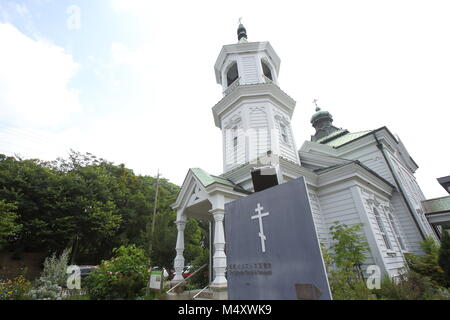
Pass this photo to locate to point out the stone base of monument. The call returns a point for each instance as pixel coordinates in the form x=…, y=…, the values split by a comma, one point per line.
x=219, y=292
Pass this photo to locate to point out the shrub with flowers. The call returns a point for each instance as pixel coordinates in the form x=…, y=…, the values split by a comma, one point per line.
x=14, y=289
x=123, y=277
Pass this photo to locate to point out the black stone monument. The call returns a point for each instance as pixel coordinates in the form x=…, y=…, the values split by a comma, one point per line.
x=273, y=252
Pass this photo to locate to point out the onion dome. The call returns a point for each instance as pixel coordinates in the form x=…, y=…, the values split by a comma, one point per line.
x=321, y=115
x=241, y=32
x=322, y=121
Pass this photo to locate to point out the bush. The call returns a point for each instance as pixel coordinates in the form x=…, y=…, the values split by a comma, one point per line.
x=15, y=289
x=52, y=279
x=427, y=265
x=411, y=286
x=123, y=277
x=444, y=256
x=347, y=285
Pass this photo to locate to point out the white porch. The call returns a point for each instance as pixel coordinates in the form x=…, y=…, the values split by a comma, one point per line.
x=203, y=196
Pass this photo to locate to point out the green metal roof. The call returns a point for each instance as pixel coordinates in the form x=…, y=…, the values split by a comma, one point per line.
x=207, y=179
x=340, y=140
x=437, y=205
x=332, y=135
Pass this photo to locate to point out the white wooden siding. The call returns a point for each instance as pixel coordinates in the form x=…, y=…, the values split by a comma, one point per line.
x=258, y=133
x=249, y=70
x=321, y=228
x=340, y=207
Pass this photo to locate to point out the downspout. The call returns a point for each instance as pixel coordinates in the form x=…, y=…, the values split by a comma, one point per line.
x=402, y=193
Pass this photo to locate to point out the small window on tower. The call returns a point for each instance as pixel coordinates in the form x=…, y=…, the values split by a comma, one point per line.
x=232, y=74
x=266, y=70
x=235, y=144
x=284, y=134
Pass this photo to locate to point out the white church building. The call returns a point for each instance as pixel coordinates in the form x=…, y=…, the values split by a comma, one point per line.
x=352, y=177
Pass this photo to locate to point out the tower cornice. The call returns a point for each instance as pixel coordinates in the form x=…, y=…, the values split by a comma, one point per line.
x=259, y=90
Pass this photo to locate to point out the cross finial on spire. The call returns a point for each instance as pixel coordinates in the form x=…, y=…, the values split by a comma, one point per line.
x=315, y=103
x=241, y=32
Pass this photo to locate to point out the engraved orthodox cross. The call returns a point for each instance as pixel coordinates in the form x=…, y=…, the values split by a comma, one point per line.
x=261, y=234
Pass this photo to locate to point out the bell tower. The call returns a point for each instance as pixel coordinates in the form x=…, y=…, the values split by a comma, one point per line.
x=254, y=113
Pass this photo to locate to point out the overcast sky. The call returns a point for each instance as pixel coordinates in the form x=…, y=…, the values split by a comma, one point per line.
x=133, y=81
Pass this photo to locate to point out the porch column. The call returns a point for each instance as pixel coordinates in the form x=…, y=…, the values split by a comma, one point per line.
x=219, y=258
x=179, y=259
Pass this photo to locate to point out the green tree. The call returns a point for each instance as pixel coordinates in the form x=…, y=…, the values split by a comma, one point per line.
x=91, y=205
x=349, y=247
x=8, y=225
x=444, y=256
x=347, y=254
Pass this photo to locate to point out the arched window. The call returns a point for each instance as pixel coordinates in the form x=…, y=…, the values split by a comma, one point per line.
x=284, y=133
x=396, y=232
x=382, y=229
x=266, y=70
x=235, y=144
x=232, y=74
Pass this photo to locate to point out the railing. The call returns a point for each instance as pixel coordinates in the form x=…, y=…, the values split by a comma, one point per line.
x=187, y=278
x=232, y=86
x=200, y=292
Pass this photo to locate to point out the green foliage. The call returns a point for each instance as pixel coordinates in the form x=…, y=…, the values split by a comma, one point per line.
x=410, y=286
x=123, y=277
x=327, y=258
x=164, y=239
x=92, y=206
x=444, y=257
x=55, y=268
x=349, y=247
x=15, y=289
x=200, y=280
x=8, y=217
x=427, y=265
x=52, y=279
x=79, y=297
x=83, y=202
x=344, y=262
x=348, y=285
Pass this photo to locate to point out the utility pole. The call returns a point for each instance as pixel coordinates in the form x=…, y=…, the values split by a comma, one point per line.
x=150, y=247
x=154, y=213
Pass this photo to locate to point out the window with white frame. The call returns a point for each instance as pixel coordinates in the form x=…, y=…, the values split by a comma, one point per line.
x=396, y=231
x=284, y=133
x=235, y=144
x=382, y=229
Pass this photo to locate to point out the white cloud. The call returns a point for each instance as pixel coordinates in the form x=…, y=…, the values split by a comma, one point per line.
x=34, y=80
x=21, y=9
x=369, y=64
